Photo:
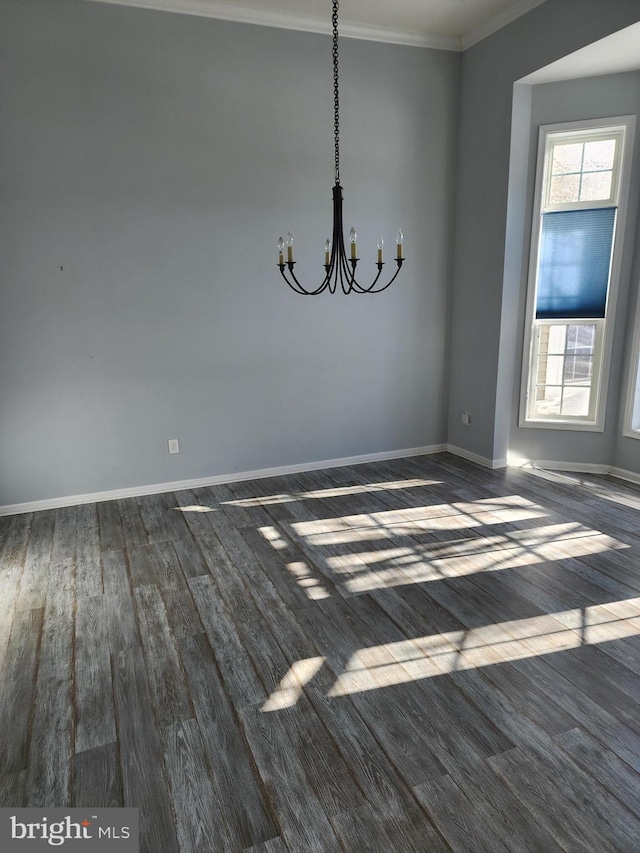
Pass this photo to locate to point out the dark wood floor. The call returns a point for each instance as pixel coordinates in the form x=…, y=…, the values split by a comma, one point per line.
x=419, y=655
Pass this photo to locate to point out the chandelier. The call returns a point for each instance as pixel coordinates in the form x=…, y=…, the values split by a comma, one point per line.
x=338, y=268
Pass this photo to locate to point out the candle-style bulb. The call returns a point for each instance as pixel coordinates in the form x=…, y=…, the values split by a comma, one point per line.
x=290, y=238
x=400, y=237
x=380, y=243
x=280, y=245
x=327, y=245
x=354, y=249
x=289, y=247
x=327, y=252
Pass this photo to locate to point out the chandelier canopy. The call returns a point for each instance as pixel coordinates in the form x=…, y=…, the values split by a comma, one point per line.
x=338, y=268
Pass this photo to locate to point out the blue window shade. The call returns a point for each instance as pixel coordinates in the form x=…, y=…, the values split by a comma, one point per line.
x=574, y=262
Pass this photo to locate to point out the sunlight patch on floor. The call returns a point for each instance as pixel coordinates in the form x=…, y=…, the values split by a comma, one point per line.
x=511, y=551
x=273, y=536
x=290, y=688
x=336, y=492
x=307, y=580
x=411, y=520
x=438, y=654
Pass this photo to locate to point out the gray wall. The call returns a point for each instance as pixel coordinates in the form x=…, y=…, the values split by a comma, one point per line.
x=485, y=300
x=574, y=100
x=148, y=163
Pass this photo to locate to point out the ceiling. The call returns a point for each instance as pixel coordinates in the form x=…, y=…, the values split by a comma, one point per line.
x=616, y=53
x=445, y=24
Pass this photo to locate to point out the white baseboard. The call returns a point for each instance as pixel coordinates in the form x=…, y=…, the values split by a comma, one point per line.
x=180, y=485
x=475, y=457
x=621, y=474
x=577, y=468
x=553, y=465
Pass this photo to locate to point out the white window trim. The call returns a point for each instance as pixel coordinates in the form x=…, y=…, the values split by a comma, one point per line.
x=615, y=178
x=628, y=123
x=634, y=378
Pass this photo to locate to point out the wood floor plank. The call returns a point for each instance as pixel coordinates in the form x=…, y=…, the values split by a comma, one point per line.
x=458, y=818
x=368, y=762
x=376, y=831
x=274, y=845
x=89, y=566
x=34, y=580
x=95, y=713
x=56, y=647
x=190, y=558
x=325, y=768
x=304, y=823
x=133, y=529
x=166, y=679
x=236, y=782
x=620, y=739
x=527, y=697
x=547, y=805
x=402, y=735
x=17, y=690
x=97, y=780
x=121, y=616
x=144, y=782
x=15, y=540
x=111, y=537
x=162, y=521
x=9, y=589
x=603, y=765
x=142, y=564
x=12, y=787
x=172, y=583
x=51, y=746
x=605, y=820
x=514, y=824
x=64, y=535
x=199, y=816
x=285, y=568
x=241, y=679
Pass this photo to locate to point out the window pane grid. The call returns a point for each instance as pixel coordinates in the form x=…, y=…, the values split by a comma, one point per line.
x=581, y=171
x=564, y=370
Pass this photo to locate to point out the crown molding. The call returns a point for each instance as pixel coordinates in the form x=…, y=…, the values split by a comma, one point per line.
x=311, y=24
x=515, y=10
x=302, y=23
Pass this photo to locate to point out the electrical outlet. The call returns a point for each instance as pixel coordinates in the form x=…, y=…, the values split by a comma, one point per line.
x=174, y=445
x=466, y=418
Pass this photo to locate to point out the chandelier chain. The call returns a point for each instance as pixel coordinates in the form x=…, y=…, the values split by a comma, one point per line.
x=336, y=92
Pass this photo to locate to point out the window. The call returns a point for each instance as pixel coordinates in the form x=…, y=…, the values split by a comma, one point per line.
x=575, y=250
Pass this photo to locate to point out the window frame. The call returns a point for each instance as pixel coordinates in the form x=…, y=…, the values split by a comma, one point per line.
x=601, y=128
x=634, y=379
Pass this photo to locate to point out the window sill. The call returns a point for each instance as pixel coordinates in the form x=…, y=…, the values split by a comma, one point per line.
x=578, y=426
x=631, y=433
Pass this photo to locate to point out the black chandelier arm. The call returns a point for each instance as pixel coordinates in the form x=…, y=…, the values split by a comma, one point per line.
x=359, y=289
x=296, y=286
x=337, y=271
